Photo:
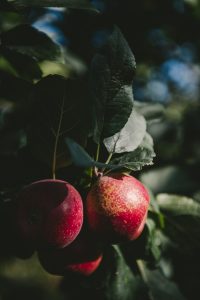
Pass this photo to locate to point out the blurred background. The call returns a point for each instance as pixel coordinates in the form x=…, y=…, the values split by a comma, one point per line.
x=165, y=39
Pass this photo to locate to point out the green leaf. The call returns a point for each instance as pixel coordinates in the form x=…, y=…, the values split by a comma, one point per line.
x=160, y=288
x=29, y=41
x=78, y=4
x=153, y=241
x=129, y=137
x=112, y=71
x=25, y=66
x=59, y=110
x=178, y=205
x=138, y=158
x=80, y=157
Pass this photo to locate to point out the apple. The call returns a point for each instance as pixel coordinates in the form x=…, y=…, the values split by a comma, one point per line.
x=116, y=207
x=49, y=212
x=82, y=256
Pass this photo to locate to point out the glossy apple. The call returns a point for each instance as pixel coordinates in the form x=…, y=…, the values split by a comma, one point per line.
x=117, y=207
x=49, y=212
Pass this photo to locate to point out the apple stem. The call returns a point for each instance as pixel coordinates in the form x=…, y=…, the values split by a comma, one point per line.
x=108, y=160
x=98, y=151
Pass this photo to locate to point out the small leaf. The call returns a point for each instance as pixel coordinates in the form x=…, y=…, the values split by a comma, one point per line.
x=138, y=158
x=111, y=77
x=81, y=158
x=160, y=288
x=78, y=4
x=27, y=40
x=178, y=205
x=130, y=137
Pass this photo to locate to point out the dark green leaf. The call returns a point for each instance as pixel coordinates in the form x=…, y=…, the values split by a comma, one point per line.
x=160, y=288
x=153, y=241
x=29, y=41
x=112, y=71
x=178, y=205
x=24, y=65
x=140, y=157
x=129, y=137
x=78, y=4
x=60, y=110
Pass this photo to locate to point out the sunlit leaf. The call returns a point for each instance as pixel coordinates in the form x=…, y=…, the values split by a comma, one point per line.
x=138, y=158
x=129, y=137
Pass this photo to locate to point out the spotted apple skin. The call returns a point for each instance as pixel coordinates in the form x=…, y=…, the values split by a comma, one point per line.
x=116, y=207
x=49, y=212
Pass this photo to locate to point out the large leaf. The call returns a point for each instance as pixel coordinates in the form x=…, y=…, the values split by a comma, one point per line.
x=60, y=110
x=160, y=288
x=129, y=137
x=111, y=74
x=27, y=40
x=79, y=4
x=178, y=205
x=138, y=158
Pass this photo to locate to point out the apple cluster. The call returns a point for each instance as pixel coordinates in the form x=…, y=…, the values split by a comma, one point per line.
x=70, y=233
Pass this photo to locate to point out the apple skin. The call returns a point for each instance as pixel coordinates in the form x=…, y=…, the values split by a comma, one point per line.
x=117, y=207
x=49, y=212
x=82, y=257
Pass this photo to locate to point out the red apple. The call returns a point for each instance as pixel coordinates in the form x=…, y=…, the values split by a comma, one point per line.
x=117, y=207
x=83, y=256
x=49, y=212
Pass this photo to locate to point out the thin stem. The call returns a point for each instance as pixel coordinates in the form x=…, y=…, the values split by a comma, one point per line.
x=56, y=140
x=108, y=160
x=98, y=151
